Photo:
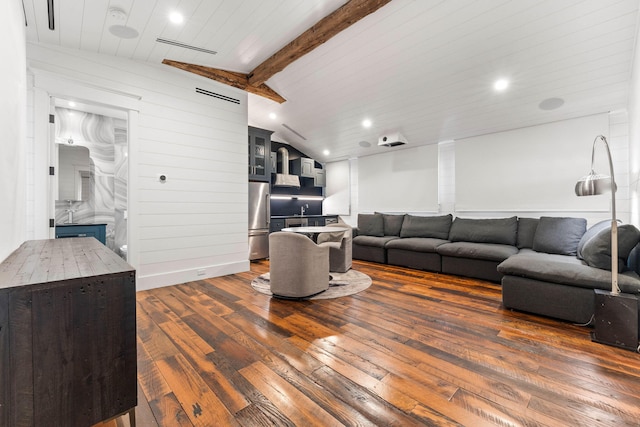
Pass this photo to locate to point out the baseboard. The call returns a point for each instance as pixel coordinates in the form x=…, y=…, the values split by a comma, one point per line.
x=182, y=276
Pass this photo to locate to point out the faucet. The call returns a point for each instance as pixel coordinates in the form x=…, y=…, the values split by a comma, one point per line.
x=302, y=208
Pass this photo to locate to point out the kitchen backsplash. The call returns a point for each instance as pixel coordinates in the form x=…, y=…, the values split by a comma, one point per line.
x=292, y=207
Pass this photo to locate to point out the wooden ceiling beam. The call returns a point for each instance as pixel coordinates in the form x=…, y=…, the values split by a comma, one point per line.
x=231, y=78
x=254, y=82
x=337, y=21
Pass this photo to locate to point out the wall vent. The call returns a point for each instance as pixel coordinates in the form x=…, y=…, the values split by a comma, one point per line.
x=185, y=46
x=217, y=95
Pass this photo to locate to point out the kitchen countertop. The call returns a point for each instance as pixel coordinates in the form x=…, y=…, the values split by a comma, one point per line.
x=77, y=223
x=303, y=216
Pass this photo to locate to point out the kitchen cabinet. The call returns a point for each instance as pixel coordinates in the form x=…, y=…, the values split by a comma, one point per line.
x=319, y=178
x=303, y=167
x=277, y=224
x=259, y=154
x=82, y=230
x=316, y=222
x=67, y=335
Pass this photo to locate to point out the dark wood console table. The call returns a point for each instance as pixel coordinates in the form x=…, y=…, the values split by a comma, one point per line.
x=67, y=334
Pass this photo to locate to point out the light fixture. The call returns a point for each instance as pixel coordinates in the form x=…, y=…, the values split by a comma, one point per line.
x=594, y=184
x=501, y=85
x=366, y=123
x=326, y=152
x=273, y=116
x=72, y=104
x=176, y=17
x=615, y=313
x=279, y=197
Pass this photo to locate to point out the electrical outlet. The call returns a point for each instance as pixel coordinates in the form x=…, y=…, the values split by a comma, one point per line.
x=201, y=272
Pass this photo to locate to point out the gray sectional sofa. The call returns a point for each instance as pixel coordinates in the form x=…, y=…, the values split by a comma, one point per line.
x=547, y=265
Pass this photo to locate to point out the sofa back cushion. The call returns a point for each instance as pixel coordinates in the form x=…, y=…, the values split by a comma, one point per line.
x=590, y=234
x=499, y=230
x=526, y=232
x=370, y=225
x=391, y=224
x=436, y=227
x=597, y=251
x=559, y=235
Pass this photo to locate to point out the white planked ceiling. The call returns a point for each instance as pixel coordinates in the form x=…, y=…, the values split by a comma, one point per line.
x=424, y=68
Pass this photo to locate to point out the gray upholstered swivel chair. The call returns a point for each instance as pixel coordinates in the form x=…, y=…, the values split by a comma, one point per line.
x=339, y=244
x=298, y=267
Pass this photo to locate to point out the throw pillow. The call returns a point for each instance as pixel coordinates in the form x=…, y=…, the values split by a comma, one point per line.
x=597, y=251
x=526, y=232
x=559, y=235
x=590, y=234
x=499, y=230
x=436, y=227
x=391, y=224
x=370, y=225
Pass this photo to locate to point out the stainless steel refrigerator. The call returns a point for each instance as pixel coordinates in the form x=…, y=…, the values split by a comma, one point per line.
x=259, y=218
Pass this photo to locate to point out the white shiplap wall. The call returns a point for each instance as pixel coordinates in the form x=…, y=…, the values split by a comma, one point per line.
x=12, y=122
x=195, y=224
x=621, y=149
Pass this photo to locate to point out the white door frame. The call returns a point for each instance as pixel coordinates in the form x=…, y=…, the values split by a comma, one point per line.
x=48, y=85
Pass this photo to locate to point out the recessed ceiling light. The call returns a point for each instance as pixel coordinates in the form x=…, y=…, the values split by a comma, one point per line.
x=176, y=17
x=72, y=104
x=365, y=144
x=501, y=85
x=273, y=116
x=367, y=123
x=326, y=152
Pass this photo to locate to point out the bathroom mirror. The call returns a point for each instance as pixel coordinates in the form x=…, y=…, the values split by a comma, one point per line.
x=74, y=172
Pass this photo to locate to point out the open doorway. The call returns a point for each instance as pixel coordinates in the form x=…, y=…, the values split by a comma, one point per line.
x=90, y=150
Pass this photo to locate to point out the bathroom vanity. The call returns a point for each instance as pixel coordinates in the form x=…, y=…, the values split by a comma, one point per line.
x=82, y=230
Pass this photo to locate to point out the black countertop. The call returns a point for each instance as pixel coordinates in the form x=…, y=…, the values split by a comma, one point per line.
x=73, y=224
x=304, y=216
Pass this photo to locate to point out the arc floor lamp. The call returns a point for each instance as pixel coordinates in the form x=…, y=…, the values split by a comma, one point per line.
x=616, y=314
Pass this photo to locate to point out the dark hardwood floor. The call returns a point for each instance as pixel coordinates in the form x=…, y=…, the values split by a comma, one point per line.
x=413, y=349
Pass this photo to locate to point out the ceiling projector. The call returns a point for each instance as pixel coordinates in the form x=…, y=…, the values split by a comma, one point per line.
x=392, y=139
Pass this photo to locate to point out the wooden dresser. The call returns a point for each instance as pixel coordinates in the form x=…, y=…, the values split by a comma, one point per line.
x=67, y=334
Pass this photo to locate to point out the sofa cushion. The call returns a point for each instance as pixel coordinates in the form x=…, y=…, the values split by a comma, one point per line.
x=590, y=234
x=377, y=241
x=597, y=250
x=436, y=227
x=526, y=232
x=416, y=244
x=499, y=230
x=559, y=235
x=565, y=270
x=485, y=251
x=391, y=224
x=370, y=225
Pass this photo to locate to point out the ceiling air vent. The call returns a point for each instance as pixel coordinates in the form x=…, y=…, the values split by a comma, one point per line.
x=284, y=125
x=186, y=46
x=217, y=95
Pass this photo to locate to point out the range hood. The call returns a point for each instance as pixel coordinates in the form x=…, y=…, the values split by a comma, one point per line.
x=284, y=179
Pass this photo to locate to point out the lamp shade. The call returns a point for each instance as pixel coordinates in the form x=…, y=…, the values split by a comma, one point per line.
x=594, y=184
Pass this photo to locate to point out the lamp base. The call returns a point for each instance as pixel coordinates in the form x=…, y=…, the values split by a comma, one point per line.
x=616, y=320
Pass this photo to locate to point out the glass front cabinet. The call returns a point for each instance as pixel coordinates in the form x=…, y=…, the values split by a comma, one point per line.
x=259, y=154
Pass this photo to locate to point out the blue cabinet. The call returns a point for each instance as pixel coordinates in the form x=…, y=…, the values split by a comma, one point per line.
x=99, y=231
